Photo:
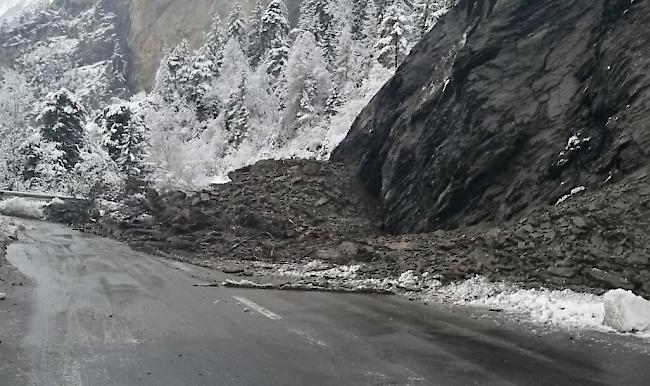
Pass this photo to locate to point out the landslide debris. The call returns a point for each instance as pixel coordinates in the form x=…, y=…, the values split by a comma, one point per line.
x=293, y=213
x=271, y=211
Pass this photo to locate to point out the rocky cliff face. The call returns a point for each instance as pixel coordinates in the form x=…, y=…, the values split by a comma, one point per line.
x=504, y=106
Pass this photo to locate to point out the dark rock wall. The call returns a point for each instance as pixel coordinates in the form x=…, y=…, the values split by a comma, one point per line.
x=477, y=123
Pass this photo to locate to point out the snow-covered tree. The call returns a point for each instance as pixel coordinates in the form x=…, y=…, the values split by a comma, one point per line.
x=262, y=103
x=274, y=40
x=119, y=68
x=428, y=12
x=255, y=35
x=237, y=116
x=17, y=96
x=393, y=45
x=61, y=122
x=213, y=41
x=309, y=85
x=317, y=17
x=359, y=16
x=236, y=27
x=124, y=136
x=234, y=68
x=354, y=51
x=173, y=74
x=186, y=76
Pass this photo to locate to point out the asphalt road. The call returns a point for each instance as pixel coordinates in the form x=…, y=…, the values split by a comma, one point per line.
x=99, y=313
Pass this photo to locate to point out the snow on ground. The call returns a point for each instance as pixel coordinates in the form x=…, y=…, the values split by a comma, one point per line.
x=22, y=207
x=8, y=229
x=626, y=312
x=616, y=311
x=564, y=308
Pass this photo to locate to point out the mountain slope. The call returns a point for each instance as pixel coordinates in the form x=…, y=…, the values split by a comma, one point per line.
x=9, y=8
x=150, y=26
x=504, y=106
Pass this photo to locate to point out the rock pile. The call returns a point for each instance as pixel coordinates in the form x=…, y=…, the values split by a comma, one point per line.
x=300, y=211
x=273, y=210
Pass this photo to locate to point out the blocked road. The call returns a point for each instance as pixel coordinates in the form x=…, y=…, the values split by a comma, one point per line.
x=102, y=314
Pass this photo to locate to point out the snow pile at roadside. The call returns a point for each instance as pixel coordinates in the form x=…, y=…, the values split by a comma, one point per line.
x=8, y=230
x=564, y=308
x=352, y=277
x=21, y=207
x=618, y=310
x=626, y=312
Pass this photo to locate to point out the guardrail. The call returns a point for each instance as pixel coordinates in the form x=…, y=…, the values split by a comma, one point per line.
x=8, y=193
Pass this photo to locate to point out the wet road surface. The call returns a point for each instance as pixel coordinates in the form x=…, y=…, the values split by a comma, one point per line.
x=102, y=314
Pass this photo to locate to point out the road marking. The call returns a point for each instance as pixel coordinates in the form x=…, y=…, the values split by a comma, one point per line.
x=308, y=337
x=258, y=308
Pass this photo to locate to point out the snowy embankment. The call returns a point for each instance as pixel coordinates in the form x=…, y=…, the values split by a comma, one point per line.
x=8, y=231
x=22, y=207
x=616, y=311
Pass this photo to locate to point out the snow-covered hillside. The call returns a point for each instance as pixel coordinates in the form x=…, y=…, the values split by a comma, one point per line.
x=255, y=88
x=11, y=8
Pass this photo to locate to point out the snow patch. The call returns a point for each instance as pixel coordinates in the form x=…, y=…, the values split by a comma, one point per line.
x=573, y=192
x=563, y=308
x=22, y=207
x=626, y=312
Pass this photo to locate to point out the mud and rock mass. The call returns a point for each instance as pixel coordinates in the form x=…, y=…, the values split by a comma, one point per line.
x=504, y=106
x=303, y=211
x=272, y=211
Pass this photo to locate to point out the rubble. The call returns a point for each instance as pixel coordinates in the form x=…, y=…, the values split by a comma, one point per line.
x=307, y=213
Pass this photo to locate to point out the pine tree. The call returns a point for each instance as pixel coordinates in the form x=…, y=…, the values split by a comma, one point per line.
x=393, y=45
x=274, y=39
x=358, y=18
x=124, y=137
x=120, y=69
x=213, y=41
x=173, y=74
x=234, y=67
x=428, y=12
x=343, y=66
x=61, y=122
x=255, y=35
x=237, y=116
x=316, y=16
x=309, y=85
x=236, y=28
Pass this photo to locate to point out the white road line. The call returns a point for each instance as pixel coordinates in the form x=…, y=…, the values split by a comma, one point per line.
x=258, y=308
x=308, y=337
